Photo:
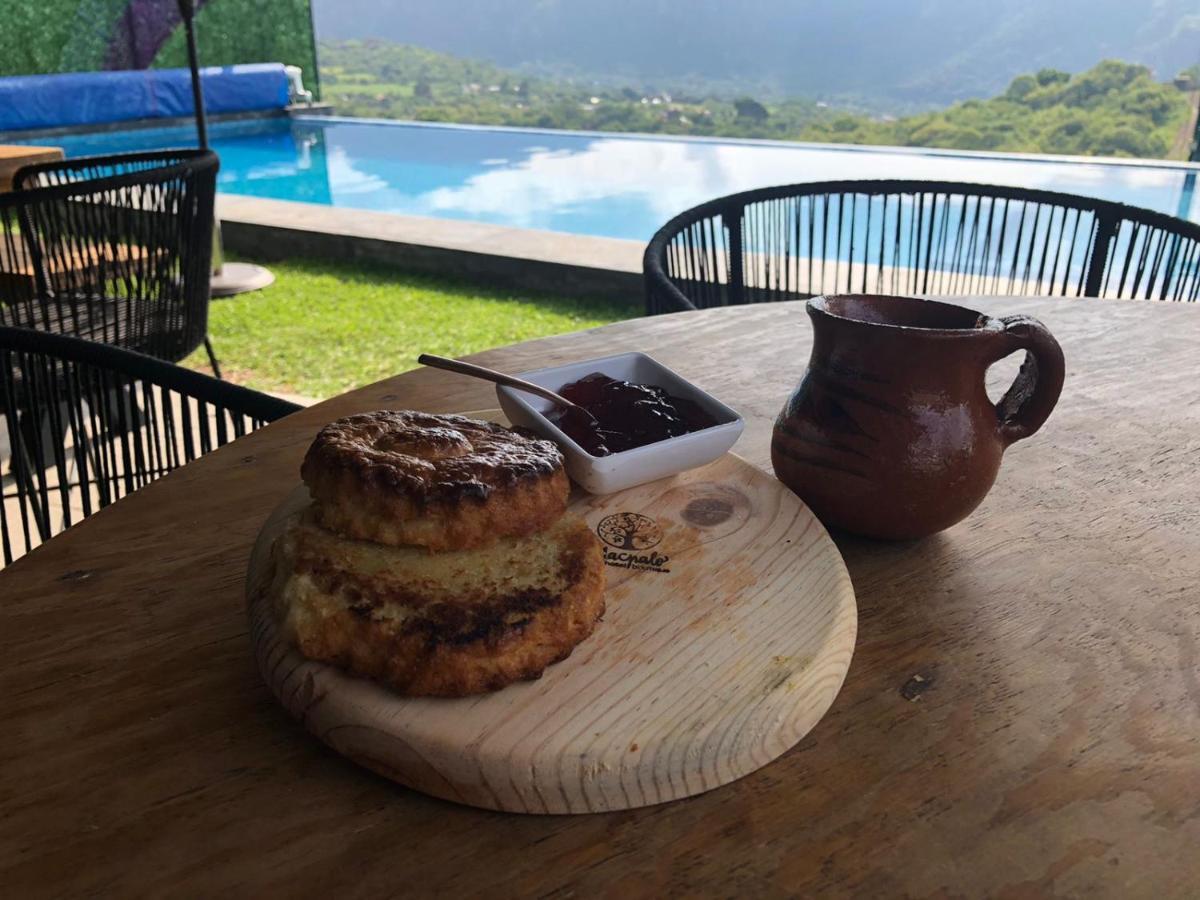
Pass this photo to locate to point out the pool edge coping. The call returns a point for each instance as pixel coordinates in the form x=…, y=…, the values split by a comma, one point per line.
x=266, y=229
x=886, y=149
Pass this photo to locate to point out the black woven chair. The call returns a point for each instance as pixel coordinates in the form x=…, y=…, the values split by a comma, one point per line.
x=88, y=423
x=115, y=249
x=901, y=237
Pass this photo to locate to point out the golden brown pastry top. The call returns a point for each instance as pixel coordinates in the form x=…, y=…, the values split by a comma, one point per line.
x=427, y=458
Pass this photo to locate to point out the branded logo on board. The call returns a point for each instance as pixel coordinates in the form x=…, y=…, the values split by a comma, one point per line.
x=629, y=536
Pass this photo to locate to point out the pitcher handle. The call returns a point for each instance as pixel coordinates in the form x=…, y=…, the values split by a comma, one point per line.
x=1030, y=400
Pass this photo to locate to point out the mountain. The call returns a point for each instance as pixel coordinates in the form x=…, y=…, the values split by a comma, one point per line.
x=924, y=52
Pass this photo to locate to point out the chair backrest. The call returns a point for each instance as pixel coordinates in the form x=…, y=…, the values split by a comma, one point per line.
x=904, y=237
x=114, y=249
x=91, y=168
x=88, y=423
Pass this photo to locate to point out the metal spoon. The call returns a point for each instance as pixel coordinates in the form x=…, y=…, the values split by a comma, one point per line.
x=462, y=368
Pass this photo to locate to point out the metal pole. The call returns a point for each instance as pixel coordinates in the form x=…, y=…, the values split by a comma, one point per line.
x=312, y=41
x=227, y=278
x=1194, y=156
x=187, y=11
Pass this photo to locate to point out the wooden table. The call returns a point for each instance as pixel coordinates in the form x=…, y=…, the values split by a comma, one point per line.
x=1021, y=718
x=14, y=156
x=71, y=264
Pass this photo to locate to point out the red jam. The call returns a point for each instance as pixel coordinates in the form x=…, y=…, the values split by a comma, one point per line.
x=625, y=415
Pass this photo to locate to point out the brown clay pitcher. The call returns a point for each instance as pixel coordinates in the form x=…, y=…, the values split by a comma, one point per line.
x=891, y=433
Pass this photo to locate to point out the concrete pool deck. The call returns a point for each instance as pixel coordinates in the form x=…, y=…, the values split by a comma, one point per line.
x=502, y=256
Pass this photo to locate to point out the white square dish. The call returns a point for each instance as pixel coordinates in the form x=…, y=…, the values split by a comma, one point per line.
x=608, y=474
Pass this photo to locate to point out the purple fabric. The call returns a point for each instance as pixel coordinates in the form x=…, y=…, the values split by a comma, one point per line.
x=141, y=31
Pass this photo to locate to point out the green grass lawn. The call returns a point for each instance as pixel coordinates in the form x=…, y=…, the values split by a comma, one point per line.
x=324, y=327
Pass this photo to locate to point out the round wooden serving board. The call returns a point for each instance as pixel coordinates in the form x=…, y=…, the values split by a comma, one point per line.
x=729, y=630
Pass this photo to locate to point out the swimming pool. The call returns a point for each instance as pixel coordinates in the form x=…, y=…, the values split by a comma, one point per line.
x=622, y=186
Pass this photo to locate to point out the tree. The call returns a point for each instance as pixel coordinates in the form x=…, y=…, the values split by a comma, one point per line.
x=1051, y=77
x=1021, y=87
x=750, y=110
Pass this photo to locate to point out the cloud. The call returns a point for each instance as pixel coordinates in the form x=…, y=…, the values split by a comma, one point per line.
x=627, y=187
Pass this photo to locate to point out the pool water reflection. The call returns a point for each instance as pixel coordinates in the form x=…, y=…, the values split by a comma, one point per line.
x=620, y=186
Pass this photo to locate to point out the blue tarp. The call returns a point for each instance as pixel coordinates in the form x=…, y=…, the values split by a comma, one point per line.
x=92, y=98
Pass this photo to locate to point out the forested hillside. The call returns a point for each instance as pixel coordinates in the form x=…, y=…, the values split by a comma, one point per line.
x=1112, y=109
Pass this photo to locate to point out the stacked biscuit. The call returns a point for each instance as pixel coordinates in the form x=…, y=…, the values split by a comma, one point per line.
x=437, y=556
